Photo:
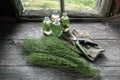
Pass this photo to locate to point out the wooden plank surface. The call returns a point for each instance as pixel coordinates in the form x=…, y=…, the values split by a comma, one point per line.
x=13, y=65
x=33, y=29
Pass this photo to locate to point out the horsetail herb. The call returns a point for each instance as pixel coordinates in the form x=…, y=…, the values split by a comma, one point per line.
x=53, y=52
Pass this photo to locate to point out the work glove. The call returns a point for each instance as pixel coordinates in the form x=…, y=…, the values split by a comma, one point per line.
x=82, y=43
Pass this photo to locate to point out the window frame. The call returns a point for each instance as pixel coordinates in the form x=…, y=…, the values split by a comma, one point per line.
x=102, y=10
x=18, y=7
x=105, y=8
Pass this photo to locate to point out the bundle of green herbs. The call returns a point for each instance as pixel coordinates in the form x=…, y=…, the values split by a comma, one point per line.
x=53, y=52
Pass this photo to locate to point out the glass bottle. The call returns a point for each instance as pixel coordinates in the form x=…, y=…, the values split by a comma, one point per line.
x=65, y=22
x=46, y=26
x=55, y=16
x=56, y=28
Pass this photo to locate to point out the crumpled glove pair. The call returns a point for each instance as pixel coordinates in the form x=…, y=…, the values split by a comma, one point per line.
x=82, y=43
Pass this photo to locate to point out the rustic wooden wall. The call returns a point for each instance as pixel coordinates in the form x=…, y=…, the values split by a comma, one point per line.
x=115, y=7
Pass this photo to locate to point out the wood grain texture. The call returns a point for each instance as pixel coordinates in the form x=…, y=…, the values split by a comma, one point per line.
x=13, y=65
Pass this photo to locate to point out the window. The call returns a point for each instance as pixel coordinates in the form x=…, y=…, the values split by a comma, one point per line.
x=40, y=4
x=74, y=8
x=40, y=7
x=80, y=5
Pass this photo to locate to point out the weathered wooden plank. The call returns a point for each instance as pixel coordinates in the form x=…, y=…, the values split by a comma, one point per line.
x=20, y=31
x=111, y=56
x=10, y=52
x=32, y=72
x=99, y=30
x=110, y=71
x=44, y=73
x=13, y=65
x=113, y=78
x=33, y=29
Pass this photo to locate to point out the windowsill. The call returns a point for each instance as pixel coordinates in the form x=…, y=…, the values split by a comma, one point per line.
x=71, y=14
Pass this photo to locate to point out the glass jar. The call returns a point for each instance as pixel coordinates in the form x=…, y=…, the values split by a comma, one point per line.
x=65, y=22
x=55, y=16
x=46, y=26
x=56, y=28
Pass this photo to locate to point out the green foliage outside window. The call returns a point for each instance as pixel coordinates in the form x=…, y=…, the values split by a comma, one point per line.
x=54, y=4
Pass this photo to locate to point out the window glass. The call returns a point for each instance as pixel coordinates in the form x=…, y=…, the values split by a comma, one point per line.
x=80, y=5
x=74, y=8
x=40, y=4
